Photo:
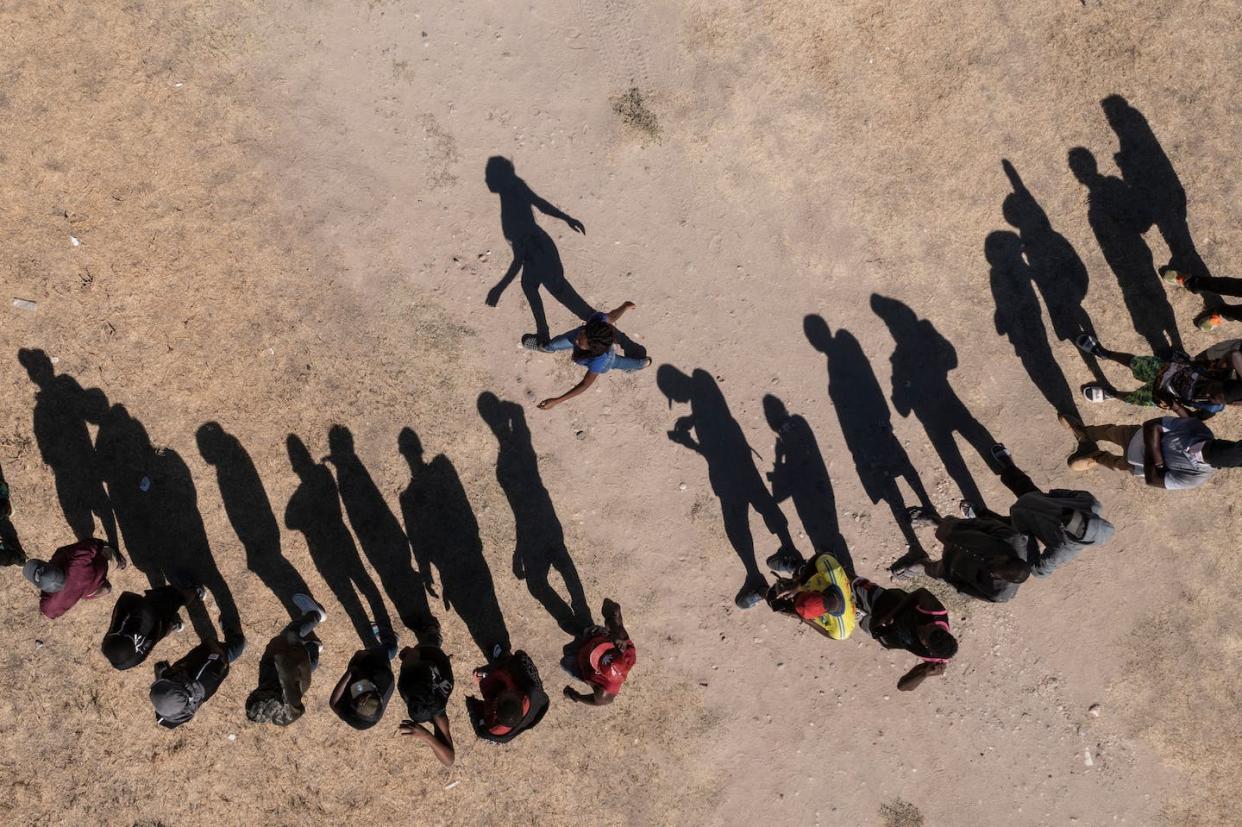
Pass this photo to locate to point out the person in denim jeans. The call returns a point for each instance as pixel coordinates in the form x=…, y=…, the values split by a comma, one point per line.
x=592, y=346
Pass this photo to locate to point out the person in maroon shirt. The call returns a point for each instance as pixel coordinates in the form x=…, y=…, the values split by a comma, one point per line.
x=605, y=655
x=75, y=572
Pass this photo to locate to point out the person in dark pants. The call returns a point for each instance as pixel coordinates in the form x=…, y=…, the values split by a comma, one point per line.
x=182, y=687
x=139, y=621
x=1198, y=387
x=11, y=553
x=914, y=621
x=1220, y=285
x=425, y=684
x=984, y=556
x=363, y=691
x=605, y=656
x=513, y=698
x=75, y=572
x=286, y=667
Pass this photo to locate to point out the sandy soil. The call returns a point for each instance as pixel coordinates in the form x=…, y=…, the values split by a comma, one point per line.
x=284, y=226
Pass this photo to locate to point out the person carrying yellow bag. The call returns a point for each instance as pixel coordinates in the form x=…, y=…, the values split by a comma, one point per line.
x=819, y=594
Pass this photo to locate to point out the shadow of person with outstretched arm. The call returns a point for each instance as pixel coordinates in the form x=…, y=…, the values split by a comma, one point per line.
x=315, y=511
x=540, y=543
x=444, y=535
x=1118, y=218
x=711, y=432
x=61, y=413
x=799, y=474
x=866, y=423
x=921, y=362
x=1019, y=318
x=1055, y=266
x=378, y=531
x=250, y=511
x=535, y=255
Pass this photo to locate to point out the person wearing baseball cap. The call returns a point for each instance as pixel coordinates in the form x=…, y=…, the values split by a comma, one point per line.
x=182, y=687
x=605, y=655
x=816, y=591
x=363, y=691
x=75, y=572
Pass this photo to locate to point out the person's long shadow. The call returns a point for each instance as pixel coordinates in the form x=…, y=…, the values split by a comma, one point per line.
x=315, y=511
x=535, y=255
x=156, y=507
x=921, y=362
x=61, y=413
x=1118, y=217
x=378, y=531
x=250, y=511
x=800, y=474
x=866, y=423
x=1055, y=266
x=11, y=551
x=540, y=542
x=1020, y=318
x=444, y=535
x=711, y=431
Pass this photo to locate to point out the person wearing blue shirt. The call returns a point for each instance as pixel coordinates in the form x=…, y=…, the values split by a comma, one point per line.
x=592, y=346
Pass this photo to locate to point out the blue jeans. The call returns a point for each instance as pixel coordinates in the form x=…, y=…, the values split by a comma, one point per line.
x=614, y=362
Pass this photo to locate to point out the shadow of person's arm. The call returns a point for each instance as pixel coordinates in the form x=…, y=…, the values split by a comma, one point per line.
x=680, y=434
x=547, y=208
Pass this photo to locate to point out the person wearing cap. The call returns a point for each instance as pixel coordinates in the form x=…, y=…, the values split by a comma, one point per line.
x=1172, y=452
x=604, y=658
x=286, y=667
x=139, y=621
x=425, y=684
x=817, y=592
x=915, y=621
x=75, y=572
x=513, y=698
x=363, y=691
x=1197, y=387
x=984, y=556
x=182, y=687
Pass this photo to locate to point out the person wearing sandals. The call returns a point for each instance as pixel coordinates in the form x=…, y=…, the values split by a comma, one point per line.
x=1189, y=388
x=1171, y=452
x=592, y=346
x=604, y=657
x=984, y=555
x=915, y=621
x=1221, y=286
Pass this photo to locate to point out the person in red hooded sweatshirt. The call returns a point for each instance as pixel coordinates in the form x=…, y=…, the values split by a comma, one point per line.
x=604, y=659
x=75, y=572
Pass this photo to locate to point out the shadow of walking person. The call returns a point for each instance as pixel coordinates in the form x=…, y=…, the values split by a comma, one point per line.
x=866, y=423
x=799, y=474
x=535, y=255
x=921, y=361
x=1149, y=173
x=156, y=507
x=540, y=542
x=378, y=531
x=250, y=511
x=444, y=534
x=315, y=511
x=1055, y=266
x=1020, y=318
x=61, y=413
x=1118, y=218
x=730, y=469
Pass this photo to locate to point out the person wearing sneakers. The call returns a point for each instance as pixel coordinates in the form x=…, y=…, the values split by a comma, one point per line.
x=363, y=691
x=182, y=687
x=604, y=659
x=915, y=621
x=816, y=591
x=984, y=556
x=513, y=698
x=1221, y=286
x=1171, y=452
x=592, y=346
x=1189, y=388
x=139, y=621
x=75, y=572
x=286, y=667
x=425, y=685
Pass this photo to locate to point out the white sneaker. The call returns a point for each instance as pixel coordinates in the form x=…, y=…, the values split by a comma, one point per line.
x=308, y=604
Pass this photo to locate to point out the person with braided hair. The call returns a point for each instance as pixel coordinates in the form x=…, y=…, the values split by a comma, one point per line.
x=592, y=346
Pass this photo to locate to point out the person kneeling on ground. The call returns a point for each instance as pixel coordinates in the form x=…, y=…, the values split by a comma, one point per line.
x=363, y=691
x=425, y=684
x=180, y=689
x=513, y=697
x=1171, y=452
x=983, y=557
x=139, y=621
x=1062, y=521
x=592, y=346
x=75, y=572
x=914, y=621
x=816, y=592
x=1188, y=388
x=286, y=667
x=604, y=658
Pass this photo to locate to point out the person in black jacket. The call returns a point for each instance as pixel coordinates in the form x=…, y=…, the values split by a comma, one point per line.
x=513, y=698
x=363, y=691
x=139, y=621
x=984, y=556
x=181, y=688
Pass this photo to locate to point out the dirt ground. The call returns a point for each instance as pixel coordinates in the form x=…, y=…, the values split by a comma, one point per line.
x=274, y=217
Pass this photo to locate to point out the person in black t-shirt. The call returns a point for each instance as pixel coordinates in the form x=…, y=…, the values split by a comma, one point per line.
x=914, y=621
x=513, y=698
x=363, y=691
x=425, y=685
x=139, y=621
x=984, y=556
